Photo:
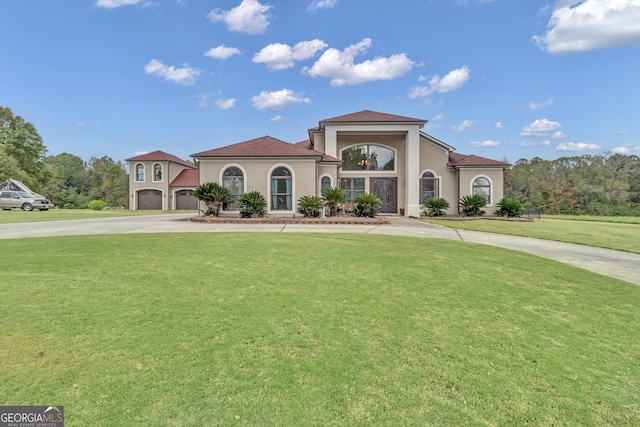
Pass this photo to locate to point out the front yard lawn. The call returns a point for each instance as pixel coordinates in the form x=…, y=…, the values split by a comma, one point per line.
x=312, y=329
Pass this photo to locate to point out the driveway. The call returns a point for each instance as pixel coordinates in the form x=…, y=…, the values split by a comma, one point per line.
x=621, y=265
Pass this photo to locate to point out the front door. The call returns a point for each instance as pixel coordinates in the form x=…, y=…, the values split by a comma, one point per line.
x=387, y=190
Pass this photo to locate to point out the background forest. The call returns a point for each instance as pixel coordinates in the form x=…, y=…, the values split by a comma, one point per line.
x=580, y=185
x=67, y=180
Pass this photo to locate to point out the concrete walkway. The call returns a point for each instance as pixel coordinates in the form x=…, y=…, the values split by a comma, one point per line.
x=621, y=265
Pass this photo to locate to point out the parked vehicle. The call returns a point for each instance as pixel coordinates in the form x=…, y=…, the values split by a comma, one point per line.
x=23, y=200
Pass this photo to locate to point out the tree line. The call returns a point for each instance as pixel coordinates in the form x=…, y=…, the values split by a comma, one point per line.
x=66, y=179
x=577, y=185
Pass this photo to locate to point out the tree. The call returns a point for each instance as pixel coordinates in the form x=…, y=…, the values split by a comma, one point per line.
x=109, y=181
x=21, y=141
x=70, y=184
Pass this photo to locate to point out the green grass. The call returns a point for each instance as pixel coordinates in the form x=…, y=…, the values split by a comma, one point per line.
x=623, y=235
x=614, y=219
x=62, y=214
x=312, y=329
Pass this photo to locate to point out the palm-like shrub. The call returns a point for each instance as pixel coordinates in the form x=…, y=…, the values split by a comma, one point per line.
x=367, y=205
x=472, y=205
x=252, y=205
x=510, y=208
x=213, y=195
x=435, y=206
x=333, y=198
x=310, y=206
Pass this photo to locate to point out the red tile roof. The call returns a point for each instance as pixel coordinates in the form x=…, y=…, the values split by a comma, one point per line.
x=186, y=178
x=461, y=160
x=306, y=144
x=265, y=146
x=160, y=156
x=371, y=116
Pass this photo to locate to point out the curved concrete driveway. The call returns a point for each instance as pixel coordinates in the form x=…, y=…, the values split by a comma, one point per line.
x=621, y=265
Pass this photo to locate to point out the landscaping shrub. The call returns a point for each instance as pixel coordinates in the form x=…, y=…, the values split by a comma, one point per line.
x=97, y=205
x=310, y=206
x=472, y=205
x=510, y=208
x=367, y=205
x=252, y=205
x=334, y=197
x=435, y=206
x=214, y=195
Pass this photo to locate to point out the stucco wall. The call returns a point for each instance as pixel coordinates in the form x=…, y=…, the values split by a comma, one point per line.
x=495, y=176
x=257, y=174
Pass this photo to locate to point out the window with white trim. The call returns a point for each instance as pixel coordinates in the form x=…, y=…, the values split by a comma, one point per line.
x=233, y=180
x=482, y=187
x=139, y=175
x=281, y=189
x=157, y=172
x=429, y=186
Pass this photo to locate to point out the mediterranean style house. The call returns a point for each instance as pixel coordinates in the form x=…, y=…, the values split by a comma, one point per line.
x=367, y=151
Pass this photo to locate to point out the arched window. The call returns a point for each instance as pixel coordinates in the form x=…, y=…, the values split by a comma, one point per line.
x=482, y=187
x=428, y=186
x=325, y=182
x=233, y=180
x=368, y=157
x=157, y=172
x=281, y=189
x=139, y=172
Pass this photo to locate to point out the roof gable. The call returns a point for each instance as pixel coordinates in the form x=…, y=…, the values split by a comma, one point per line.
x=187, y=178
x=160, y=156
x=368, y=116
x=265, y=146
x=460, y=160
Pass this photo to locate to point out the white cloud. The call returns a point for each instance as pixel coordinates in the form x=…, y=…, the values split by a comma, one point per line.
x=111, y=4
x=465, y=126
x=626, y=149
x=454, y=80
x=249, y=17
x=540, y=128
x=140, y=153
x=536, y=106
x=279, y=56
x=621, y=132
x=276, y=119
x=222, y=52
x=225, y=104
x=544, y=143
x=278, y=99
x=558, y=134
x=322, y=4
x=341, y=68
x=583, y=25
x=484, y=144
x=499, y=125
x=184, y=76
x=577, y=146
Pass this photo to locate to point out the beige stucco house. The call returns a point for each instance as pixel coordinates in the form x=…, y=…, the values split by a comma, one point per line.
x=367, y=151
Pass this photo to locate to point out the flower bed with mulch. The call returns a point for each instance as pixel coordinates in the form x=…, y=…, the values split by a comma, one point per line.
x=289, y=220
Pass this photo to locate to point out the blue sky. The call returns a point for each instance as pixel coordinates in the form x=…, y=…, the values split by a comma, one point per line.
x=496, y=78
